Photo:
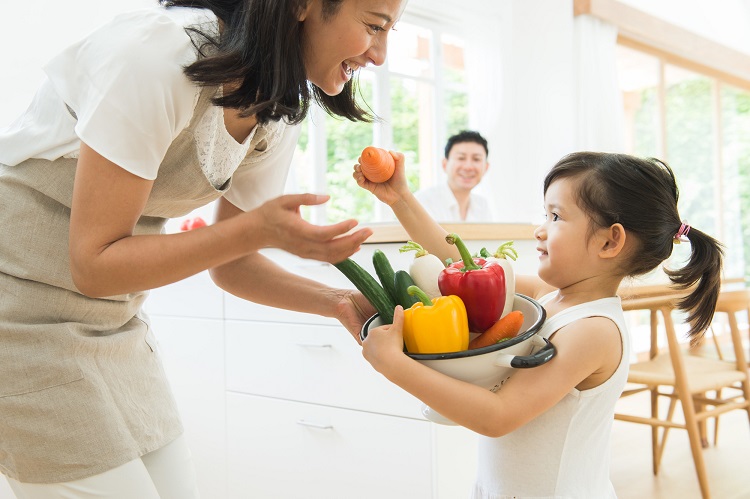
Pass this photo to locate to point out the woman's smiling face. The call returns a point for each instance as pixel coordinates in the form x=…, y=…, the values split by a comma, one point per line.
x=354, y=36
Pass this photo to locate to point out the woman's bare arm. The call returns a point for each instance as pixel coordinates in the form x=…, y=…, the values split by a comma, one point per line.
x=108, y=259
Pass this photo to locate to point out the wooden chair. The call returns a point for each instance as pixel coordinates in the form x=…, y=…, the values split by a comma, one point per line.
x=731, y=302
x=690, y=378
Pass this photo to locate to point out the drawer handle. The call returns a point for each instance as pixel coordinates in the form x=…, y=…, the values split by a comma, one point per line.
x=315, y=345
x=314, y=425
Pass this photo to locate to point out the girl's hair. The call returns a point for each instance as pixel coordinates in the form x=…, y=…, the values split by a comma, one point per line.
x=641, y=194
x=260, y=51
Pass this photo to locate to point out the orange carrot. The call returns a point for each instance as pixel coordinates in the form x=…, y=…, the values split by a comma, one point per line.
x=377, y=164
x=507, y=327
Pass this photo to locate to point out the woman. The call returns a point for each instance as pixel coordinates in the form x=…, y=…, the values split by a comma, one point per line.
x=154, y=114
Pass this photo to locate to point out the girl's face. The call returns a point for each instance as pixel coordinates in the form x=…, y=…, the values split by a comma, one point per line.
x=353, y=37
x=567, y=254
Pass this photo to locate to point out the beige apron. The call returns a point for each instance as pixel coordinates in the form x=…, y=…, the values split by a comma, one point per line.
x=82, y=389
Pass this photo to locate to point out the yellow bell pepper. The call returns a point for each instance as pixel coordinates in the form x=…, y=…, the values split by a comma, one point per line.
x=439, y=325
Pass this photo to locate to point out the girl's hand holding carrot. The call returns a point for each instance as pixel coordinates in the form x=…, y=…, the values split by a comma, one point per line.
x=389, y=191
x=377, y=164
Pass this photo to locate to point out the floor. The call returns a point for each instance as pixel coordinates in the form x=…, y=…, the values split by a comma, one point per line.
x=726, y=463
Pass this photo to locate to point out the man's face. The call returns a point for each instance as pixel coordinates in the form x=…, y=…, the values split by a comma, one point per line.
x=466, y=165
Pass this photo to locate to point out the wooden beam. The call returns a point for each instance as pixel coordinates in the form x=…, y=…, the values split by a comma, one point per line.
x=683, y=46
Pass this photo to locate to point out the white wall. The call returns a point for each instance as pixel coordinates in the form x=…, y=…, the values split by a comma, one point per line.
x=33, y=32
x=530, y=121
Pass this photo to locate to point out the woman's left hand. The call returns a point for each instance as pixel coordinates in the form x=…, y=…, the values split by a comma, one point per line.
x=353, y=310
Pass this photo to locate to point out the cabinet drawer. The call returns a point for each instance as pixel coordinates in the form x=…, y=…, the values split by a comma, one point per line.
x=309, y=363
x=284, y=449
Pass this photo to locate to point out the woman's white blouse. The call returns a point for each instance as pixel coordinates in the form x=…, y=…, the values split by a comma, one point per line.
x=122, y=91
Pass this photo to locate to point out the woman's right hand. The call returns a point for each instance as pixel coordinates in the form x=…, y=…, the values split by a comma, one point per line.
x=281, y=226
x=392, y=190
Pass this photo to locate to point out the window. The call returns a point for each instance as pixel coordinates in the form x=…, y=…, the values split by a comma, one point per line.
x=421, y=98
x=698, y=123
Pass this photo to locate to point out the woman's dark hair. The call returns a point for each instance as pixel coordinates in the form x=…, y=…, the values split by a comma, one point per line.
x=641, y=194
x=260, y=50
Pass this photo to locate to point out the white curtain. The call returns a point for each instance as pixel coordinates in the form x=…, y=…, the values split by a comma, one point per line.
x=600, y=117
x=486, y=52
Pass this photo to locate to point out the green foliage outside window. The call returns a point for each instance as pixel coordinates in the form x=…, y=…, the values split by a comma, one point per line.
x=691, y=153
x=647, y=125
x=735, y=116
x=457, y=112
x=345, y=141
x=405, y=123
x=690, y=149
x=457, y=101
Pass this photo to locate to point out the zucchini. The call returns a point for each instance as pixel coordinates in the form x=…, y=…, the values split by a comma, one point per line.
x=369, y=287
x=385, y=273
x=401, y=282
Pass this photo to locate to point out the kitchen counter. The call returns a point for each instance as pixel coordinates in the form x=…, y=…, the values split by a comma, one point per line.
x=394, y=233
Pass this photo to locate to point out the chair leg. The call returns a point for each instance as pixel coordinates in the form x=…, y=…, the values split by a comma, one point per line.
x=702, y=424
x=741, y=362
x=716, y=419
x=696, y=448
x=665, y=432
x=686, y=399
x=746, y=391
x=655, y=431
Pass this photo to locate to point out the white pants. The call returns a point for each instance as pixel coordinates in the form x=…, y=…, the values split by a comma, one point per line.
x=166, y=473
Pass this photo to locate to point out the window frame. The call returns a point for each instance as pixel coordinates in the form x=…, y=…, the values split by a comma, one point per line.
x=719, y=80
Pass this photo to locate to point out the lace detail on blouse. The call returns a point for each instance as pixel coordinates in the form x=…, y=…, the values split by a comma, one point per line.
x=220, y=154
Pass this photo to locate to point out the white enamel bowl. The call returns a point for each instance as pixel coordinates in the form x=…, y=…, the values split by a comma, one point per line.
x=490, y=366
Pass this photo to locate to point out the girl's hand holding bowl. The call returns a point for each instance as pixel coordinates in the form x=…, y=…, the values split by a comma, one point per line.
x=384, y=345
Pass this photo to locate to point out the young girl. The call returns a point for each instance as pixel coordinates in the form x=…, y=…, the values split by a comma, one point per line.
x=546, y=432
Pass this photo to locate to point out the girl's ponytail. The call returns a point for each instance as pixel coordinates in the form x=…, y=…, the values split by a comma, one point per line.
x=703, y=271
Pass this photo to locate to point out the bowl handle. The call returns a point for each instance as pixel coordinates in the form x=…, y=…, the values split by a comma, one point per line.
x=541, y=356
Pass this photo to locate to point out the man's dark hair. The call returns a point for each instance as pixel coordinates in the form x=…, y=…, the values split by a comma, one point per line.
x=466, y=136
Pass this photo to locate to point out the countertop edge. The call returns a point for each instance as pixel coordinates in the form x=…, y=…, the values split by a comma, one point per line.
x=395, y=233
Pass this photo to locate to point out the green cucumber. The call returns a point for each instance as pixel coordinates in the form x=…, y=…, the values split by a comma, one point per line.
x=401, y=282
x=385, y=272
x=369, y=287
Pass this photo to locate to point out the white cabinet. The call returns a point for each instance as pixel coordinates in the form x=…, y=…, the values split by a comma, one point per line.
x=309, y=363
x=5, y=492
x=282, y=404
x=289, y=450
x=192, y=352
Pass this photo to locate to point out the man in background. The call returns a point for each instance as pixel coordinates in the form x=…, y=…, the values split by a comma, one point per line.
x=465, y=164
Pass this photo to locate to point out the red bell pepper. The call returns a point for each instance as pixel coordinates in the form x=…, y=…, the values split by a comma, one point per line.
x=192, y=223
x=480, y=285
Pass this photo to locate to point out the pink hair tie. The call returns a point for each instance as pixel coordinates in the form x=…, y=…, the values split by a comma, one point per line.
x=681, y=235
